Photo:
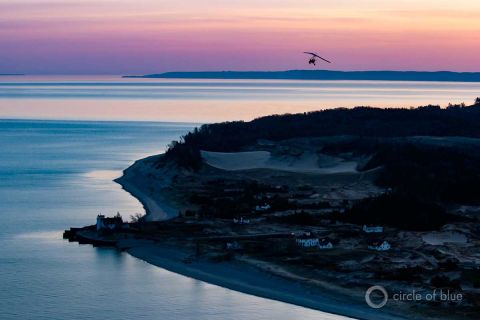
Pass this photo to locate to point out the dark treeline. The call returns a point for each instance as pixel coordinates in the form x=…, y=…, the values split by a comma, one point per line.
x=437, y=174
x=423, y=180
x=455, y=120
x=402, y=211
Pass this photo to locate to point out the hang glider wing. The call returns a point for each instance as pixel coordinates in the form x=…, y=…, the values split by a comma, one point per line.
x=317, y=56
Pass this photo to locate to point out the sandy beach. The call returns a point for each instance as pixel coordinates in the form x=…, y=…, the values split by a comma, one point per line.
x=235, y=275
x=156, y=208
x=247, y=279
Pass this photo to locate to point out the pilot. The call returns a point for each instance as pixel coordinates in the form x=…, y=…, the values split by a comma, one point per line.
x=311, y=61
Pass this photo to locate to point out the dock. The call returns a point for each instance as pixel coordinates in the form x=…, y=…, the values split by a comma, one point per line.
x=88, y=235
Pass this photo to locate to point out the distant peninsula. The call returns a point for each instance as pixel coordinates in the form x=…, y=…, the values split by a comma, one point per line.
x=447, y=76
x=11, y=74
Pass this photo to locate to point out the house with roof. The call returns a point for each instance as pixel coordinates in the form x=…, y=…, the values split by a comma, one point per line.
x=234, y=245
x=307, y=240
x=370, y=228
x=110, y=224
x=263, y=207
x=241, y=220
x=379, y=245
x=325, y=243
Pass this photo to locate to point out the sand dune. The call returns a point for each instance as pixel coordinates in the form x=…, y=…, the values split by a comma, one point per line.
x=156, y=205
x=308, y=162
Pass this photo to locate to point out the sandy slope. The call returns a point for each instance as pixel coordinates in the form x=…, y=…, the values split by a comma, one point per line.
x=308, y=162
x=133, y=181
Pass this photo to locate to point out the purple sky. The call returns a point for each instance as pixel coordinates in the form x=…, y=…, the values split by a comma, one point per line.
x=146, y=36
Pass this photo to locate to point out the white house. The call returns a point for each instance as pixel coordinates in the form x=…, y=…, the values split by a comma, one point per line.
x=115, y=223
x=379, y=245
x=372, y=229
x=233, y=245
x=307, y=240
x=325, y=243
x=263, y=207
x=241, y=220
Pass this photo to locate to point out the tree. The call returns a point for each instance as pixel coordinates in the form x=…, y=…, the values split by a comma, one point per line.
x=477, y=101
x=137, y=218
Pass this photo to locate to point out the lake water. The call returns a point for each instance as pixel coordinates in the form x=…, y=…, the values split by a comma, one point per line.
x=114, y=98
x=58, y=174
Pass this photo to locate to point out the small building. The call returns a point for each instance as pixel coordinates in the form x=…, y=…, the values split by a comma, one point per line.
x=234, y=245
x=379, y=245
x=307, y=240
x=325, y=243
x=264, y=207
x=372, y=228
x=241, y=220
x=114, y=223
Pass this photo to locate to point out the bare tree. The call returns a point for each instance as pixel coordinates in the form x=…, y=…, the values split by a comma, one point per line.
x=136, y=218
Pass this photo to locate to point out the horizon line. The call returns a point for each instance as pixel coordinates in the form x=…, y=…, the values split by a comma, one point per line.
x=227, y=70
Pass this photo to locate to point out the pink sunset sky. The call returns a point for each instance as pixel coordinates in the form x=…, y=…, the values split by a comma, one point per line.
x=150, y=36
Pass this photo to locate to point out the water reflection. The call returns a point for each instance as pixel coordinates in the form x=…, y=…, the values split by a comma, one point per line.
x=115, y=98
x=43, y=276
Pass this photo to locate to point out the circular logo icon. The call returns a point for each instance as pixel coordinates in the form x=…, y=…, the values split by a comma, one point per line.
x=376, y=305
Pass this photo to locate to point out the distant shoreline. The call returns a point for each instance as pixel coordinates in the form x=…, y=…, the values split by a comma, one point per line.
x=11, y=74
x=436, y=76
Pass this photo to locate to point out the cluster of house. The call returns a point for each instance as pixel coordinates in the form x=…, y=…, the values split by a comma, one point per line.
x=379, y=245
x=241, y=220
x=259, y=208
x=111, y=224
x=376, y=244
x=309, y=240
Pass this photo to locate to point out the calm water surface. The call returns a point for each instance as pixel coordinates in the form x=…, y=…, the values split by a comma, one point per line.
x=114, y=98
x=57, y=174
